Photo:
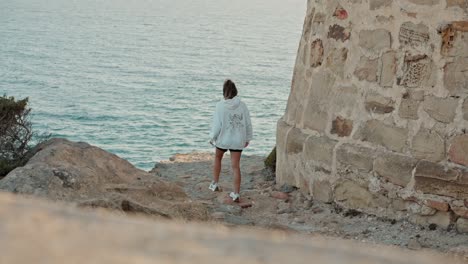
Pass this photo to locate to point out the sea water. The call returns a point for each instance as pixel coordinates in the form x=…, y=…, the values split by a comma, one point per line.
x=141, y=78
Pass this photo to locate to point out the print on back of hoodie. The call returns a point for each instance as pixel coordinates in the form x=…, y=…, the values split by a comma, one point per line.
x=236, y=121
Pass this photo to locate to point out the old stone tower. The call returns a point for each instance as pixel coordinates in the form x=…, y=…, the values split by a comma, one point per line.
x=377, y=117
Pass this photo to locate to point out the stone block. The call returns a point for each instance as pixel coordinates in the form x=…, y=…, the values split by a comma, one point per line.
x=458, y=152
x=459, y=3
x=379, y=104
x=433, y=178
x=465, y=109
x=322, y=191
x=320, y=149
x=459, y=208
x=441, y=109
x=462, y=225
x=375, y=131
x=315, y=116
x=360, y=158
x=427, y=169
x=456, y=76
x=454, y=37
x=416, y=71
x=441, y=219
x=413, y=34
x=338, y=32
x=376, y=4
x=295, y=141
x=388, y=69
x=428, y=145
x=336, y=60
x=375, y=40
x=342, y=127
x=354, y=196
x=316, y=53
x=409, y=109
x=398, y=169
x=367, y=69
x=425, y=2
x=439, y=205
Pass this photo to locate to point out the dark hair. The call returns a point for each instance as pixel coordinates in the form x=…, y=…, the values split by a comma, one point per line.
x=229, y=89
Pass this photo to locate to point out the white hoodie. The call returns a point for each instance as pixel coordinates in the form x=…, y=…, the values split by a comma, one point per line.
x=231, y=127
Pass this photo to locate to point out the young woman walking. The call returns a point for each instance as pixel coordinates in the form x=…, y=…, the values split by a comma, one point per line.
x=231, y=130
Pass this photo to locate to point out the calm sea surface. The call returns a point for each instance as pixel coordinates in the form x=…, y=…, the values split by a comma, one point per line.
x=141, y=78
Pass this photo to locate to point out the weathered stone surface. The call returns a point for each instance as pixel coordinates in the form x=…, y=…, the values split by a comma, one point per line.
x=295, y=141
x=428, y=145
x=357, y=157
x=322, y=191
x=388, y=69
x=456, y=76
x=316, y=111
x=442, y=219
x=342, y=127
x=458, y=152
x=428, y=169
x=339, y=33
x=409, y=109
x=416, y=71
x=320, y=149
x=367, y=69
x=436, y=179
x=424, y=2
x=413, y=34
x=376, y=4
x=462, y=225
x=438, y=205
x=393, y=138
x=353, y=195
x=454, y=39
x=336, y=60
x=316, y=53
x=465, y=109
x=90, y=237
x=441, y=109
x=459, y=208
x=89, y=176
x=340, y=13
x=460, y=3
x=379, y=104
x=395, y=168
x=375, y=40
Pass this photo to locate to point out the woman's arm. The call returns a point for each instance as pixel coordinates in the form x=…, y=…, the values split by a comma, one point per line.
x=216, y=124
x=248, y=123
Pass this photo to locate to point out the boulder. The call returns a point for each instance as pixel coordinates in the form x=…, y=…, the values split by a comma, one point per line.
x=89, y=176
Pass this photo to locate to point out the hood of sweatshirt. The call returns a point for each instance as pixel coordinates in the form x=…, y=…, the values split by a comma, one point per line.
x=232, y=103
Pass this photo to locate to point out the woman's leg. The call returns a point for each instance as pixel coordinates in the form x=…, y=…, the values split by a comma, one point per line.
x=217, y=164
x=235, y=163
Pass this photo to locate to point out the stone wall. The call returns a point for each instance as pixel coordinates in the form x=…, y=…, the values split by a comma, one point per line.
x=377, y=117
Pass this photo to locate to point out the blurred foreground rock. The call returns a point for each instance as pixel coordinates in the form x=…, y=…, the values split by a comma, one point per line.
x=91, y=177
x=39, y=232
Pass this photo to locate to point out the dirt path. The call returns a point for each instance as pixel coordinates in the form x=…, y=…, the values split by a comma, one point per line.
x=269, y=206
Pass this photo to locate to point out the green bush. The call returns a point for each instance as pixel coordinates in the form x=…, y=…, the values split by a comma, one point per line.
x=270, y=161
x=15, y=133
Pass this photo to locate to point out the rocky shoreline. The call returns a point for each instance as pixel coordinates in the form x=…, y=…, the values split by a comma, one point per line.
x=176, y=189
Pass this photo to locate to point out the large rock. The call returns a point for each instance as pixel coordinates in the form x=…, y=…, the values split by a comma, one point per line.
x=87, y=175
x=37, y=232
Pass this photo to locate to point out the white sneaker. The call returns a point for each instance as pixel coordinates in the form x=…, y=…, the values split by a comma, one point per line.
x=214, y=186
x=235, y=196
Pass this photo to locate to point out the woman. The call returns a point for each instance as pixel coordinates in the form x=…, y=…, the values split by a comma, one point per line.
x=231, y=130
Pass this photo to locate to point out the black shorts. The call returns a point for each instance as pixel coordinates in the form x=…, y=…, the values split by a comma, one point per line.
x=231, y=150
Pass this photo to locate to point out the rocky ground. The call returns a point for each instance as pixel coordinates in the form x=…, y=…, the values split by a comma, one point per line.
x=266, y=205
